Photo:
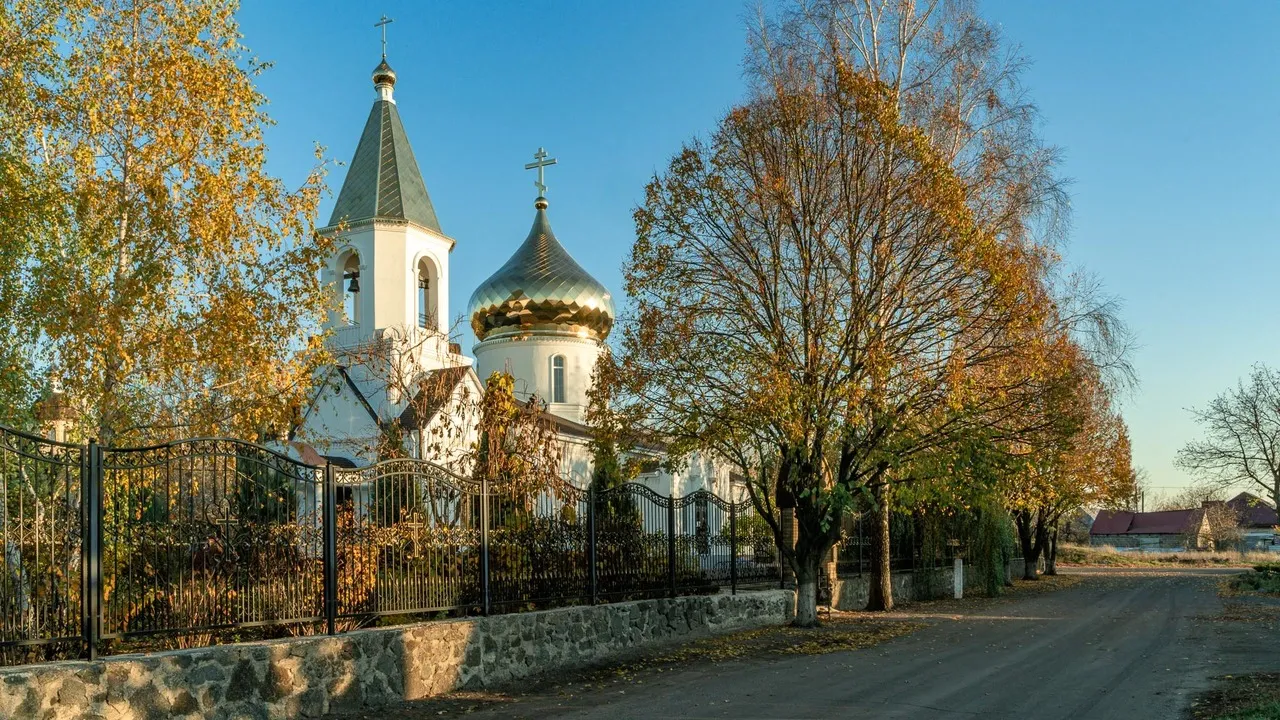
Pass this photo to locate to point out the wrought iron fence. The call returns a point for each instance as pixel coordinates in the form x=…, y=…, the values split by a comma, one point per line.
x=102, y=546
x=916, y=542
x=42, y=515
x=206, y=534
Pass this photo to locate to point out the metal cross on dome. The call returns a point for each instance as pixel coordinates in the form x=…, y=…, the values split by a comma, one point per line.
x=383, y=23
x=540, y=163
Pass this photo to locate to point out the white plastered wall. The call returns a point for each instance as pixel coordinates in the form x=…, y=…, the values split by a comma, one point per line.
x=389, y=256
x=529, y=362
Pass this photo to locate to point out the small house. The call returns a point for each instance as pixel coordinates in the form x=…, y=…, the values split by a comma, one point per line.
x=1163, y=530
x=1258, y=521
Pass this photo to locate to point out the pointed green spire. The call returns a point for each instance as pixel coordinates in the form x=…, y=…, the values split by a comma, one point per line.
x=383, y=180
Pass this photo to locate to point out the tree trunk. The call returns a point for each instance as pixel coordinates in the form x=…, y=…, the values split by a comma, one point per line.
x=806, y=590
x=880, y=590
x=1051, y=553
x=1042, y=538
x=1027, y=533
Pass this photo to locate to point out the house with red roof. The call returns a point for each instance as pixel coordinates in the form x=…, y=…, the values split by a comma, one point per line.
x=1257, y=519
x=1162, y=530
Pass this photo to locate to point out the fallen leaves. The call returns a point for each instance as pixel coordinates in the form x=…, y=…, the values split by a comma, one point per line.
x=1240, y=697
x=838, y=634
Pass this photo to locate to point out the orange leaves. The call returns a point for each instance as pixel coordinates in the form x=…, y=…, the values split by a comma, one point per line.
x=193, y=292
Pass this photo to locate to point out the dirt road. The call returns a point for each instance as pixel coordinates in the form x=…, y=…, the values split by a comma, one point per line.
x=1126, y=644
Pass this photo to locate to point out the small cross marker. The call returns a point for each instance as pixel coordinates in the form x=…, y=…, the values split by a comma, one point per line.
x=540, y=163
x=383, y=23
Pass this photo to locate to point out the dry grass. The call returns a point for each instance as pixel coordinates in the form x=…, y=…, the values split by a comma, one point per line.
x=1107, y=556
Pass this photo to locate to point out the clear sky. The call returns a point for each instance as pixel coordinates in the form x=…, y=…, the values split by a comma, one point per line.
x=1167, y=114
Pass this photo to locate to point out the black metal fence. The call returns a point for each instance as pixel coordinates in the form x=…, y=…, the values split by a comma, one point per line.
x=102, y=546
x=916, y=542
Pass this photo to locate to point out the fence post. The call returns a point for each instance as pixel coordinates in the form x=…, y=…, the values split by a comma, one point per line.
x=917, y=559
x=591, y=544
x=484, y=546
x=671, y=543
x=861, y=517
x=733, y=547
x=91, y=548
x=329, y=522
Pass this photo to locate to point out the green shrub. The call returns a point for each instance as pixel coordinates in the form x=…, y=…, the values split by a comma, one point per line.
x=1263, y=579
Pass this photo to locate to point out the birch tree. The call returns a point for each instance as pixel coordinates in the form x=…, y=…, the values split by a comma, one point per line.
x=30, y=66
x=175, y=282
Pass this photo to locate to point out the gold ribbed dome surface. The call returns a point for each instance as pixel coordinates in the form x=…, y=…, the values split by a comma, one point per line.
x=383, y=74
x=541, y=290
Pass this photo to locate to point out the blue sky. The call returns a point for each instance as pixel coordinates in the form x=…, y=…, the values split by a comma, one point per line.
x=1167, y=114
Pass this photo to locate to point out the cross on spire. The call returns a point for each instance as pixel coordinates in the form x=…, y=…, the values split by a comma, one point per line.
x=540, y=163
x=383, y=23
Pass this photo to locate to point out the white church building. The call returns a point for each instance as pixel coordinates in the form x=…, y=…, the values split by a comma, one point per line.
x=540, y=317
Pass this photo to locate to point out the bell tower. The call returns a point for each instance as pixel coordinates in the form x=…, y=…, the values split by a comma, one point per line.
x=390, y=268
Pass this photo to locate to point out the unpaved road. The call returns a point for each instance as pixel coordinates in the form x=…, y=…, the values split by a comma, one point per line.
x=1126, y=644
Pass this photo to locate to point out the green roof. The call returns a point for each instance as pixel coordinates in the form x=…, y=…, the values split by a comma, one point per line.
x=383, y=180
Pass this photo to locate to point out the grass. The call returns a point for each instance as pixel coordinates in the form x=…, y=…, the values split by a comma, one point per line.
x=1107, y=556
x=1263, y=579
x=1240, y=697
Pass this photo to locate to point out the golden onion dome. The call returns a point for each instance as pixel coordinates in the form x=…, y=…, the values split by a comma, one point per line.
x=383, y=74
x=541, y=290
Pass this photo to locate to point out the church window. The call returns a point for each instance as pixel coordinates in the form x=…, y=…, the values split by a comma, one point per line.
x=557, y=379
x=351, y=289
x=425, y=310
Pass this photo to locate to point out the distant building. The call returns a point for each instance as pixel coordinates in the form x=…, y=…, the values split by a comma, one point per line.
x=1151, y=530
x=1258, y=520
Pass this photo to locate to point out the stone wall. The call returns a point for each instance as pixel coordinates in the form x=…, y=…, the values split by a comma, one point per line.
x=851, y=592
x=307, y=677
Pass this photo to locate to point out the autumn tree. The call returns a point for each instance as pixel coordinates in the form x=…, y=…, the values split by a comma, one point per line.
x=955, y=78
x=618, y=440
x=1091, y=468
x=1241, y=444
x=517, y=450
x=31, y=67
x=176, y=281
x=812, y=291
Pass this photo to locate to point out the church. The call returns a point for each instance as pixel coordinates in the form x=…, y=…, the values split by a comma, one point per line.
x=540, y=317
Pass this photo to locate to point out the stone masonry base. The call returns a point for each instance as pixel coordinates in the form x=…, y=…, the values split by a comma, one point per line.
x=307, y=677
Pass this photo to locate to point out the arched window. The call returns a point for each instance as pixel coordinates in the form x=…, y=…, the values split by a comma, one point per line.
x=351, y=289
x=426, y=313
x=557, y=379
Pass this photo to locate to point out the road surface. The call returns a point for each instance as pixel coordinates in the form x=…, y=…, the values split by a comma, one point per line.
x=1126, y=644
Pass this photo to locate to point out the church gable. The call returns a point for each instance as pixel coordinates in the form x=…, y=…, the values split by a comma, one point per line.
x=340, y=418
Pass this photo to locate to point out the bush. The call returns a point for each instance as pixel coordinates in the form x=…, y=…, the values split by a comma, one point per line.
x=1264, y=579
x=992, y=543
